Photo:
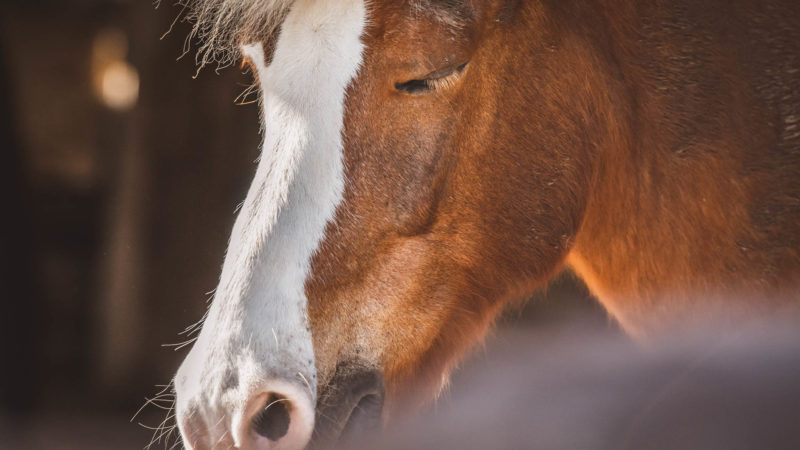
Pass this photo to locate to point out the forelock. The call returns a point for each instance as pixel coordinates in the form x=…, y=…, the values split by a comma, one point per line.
x=220, y=27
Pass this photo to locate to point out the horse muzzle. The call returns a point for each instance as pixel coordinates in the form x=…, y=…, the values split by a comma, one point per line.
x=280, y=415
x=229, y=395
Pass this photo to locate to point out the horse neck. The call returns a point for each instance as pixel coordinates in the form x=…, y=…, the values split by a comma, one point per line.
x=670, y=214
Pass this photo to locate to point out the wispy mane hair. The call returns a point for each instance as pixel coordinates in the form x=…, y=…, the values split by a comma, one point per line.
x=221, y=26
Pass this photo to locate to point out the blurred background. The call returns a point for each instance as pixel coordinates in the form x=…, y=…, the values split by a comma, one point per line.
x=120, y=175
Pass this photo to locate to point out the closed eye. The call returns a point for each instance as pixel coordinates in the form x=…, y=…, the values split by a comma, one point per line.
x=434, y=81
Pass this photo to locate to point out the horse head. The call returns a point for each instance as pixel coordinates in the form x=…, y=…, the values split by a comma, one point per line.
x=424, y=163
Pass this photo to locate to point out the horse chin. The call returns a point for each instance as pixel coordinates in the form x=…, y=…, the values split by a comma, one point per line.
x=350, y=406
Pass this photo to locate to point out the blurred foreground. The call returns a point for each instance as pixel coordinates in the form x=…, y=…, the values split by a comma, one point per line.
x=574, y=385
x=571, y=383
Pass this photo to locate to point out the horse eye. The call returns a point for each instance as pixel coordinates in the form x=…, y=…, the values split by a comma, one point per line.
x=434, y=81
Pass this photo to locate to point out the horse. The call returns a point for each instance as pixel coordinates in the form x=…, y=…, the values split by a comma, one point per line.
x=427, y=163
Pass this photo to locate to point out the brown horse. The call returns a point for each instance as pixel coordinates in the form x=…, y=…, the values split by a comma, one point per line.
x=427, y=162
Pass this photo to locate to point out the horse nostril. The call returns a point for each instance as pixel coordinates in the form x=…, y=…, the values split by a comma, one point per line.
x=280, y=416
x=273, y=421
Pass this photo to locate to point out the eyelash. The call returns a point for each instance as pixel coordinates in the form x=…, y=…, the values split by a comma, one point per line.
x=432, y=83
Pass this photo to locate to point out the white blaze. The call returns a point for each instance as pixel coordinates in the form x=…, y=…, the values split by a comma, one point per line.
x=257, y=325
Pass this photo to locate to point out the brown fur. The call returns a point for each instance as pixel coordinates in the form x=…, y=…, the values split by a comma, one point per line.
x=652, y=147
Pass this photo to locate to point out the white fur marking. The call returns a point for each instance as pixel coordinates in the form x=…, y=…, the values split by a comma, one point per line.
x=257, y=326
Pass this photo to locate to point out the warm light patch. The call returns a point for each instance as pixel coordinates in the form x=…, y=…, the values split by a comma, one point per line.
x=114, y=79
x=120, y=86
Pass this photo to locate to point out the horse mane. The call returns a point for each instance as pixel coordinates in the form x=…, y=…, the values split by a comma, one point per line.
x=221, y=26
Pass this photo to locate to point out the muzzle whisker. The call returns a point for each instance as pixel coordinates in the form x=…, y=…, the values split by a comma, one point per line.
x=170, y=437
x=178, y=442
x=159, y=397
x=162, y=431
x=180, y=345
x=308, y=385
x=222, y=438
x=195, y=327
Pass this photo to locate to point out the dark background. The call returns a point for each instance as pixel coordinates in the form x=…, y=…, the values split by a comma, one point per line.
x=116, y=218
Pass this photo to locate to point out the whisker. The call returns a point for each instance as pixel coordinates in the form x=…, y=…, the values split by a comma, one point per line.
x=164, y=400
x=181, y=345
x=158, y=397
x=305, y=380
x=162, y=435
x=193, y=328
x=164, y=429
x=221, y=438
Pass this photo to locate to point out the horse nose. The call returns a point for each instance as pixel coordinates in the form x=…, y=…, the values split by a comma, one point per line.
x=279, y=416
